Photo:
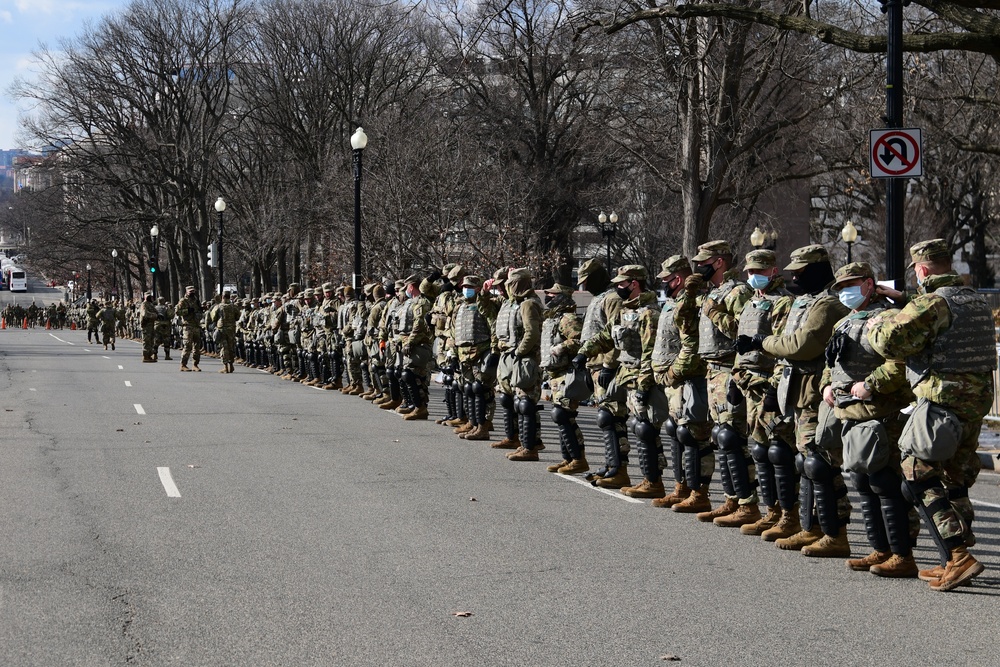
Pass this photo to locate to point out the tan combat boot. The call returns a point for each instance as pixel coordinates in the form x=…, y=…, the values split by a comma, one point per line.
x=414, y=415
x=787, y=526
x=645, y=489
x=478, y=433
x=390, y=405
x=617, y=481
x=456, y=421
x=555, y=466
x=745, y=515
x=803, y=538
x=767, y=522
x=681, y=492
x=507, y=443
x=960, y=568
x=728, y=507
x=523, y=454
x=404, y=409
x=463, y=427
x=829, y=547
x=896, y=567
x=575, y=466
x=697, y=502
x=866, y=563
x=184, y=368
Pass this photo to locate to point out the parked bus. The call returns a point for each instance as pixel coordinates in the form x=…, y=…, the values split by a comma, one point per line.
x=16, y=279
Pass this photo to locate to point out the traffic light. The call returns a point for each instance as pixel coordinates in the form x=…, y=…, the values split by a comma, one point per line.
x=212, y=259
x=154, y=267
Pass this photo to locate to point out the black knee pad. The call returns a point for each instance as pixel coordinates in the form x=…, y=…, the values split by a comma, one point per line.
x=758, y=451
x=605, y=420
x=526, y=406
x=476, y=387
x=562, y=416
x=407, y=375
x=817, y=468
x=728, y=438
x=800, y=463
x=885, y=482
x=685, y=437
x=670, y=427
x=715, y=433
x=630, y=423
x=646, y=431
x=506, y=401
x=468, y=390
x=780, y=454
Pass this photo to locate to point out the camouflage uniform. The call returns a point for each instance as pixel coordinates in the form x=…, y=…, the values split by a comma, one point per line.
x=164, y=328
x=354, y=319
x=147, y=320
x=92, y=322
x=633, y=390
x=224, y=316
x=190, y=311
x=444, y=355
x=947, y=337
x=389, y=344
x=415, y=339
x=867, y=428
x=107, y=318
x=764, y=314
x=376, y=358
x=560, y=341
x=470, y=338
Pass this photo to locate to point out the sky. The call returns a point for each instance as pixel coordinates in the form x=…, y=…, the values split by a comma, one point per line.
x=24, y=24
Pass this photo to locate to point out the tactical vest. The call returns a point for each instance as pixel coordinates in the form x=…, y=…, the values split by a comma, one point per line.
x=550, y=338
x=595, y=320
x=344, y=314
x=359, y=320
x=161, y=313
x=668, y=337
x=756, y=319
x=856, y=358
x=229, y=314
x=628, y=338
x=967, y=346
x=713, y=345
x=508, y=323
x=471, y=328
x=404, y=318
x=796, y=318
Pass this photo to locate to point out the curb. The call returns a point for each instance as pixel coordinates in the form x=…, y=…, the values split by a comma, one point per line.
x=989, y=460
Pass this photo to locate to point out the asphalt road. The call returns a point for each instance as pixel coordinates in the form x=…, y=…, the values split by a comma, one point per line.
x=309, y=528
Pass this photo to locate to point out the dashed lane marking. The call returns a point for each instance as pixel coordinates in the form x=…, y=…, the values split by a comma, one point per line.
x=168, y=483
x=985, y=504
x=138, y=408
x=607, y=492
x=127, y=383
x=120, y=367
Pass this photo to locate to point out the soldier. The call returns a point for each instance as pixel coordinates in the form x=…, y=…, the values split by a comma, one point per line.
x=354, y=315
x=561, y=332
x=415, y=337
x=717, y=324
x=224, y=316
x=331, y=371
x=866, y=392
x=946, y=335
x=678, y=368
x=92, y=321
x=799, y=350
x=441, y=318
x=148, y=321
x=190, y=311
x=472, y=322
x=753, y=370
x=163, y=328
x=376, y=358
x=518, y=332
x=392, y=398
x=107, y=317
x=633, y=389
x=603, y=308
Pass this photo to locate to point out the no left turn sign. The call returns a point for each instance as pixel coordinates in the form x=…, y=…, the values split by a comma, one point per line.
x=895, y=153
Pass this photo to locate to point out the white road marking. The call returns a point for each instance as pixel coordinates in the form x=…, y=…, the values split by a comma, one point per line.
x=61, y=340
x=127, y=383
x=103, y=357
x=120, y=367
x=985, y=504
x=608, y=492
x=168, y=483
x=32, y=389
x=138, y=408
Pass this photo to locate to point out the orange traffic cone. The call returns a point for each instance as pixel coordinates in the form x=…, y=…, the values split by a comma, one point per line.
x=72, y=326
x=3, y=323
x=48, y=324
x=24, y=324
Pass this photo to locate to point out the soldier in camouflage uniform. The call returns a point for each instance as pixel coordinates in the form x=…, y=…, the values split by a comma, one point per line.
x=147, y=320
x=799, y=350
x=164, y=328
x=224, y=316
x=106, y=316
x=717, y=324
x=472, y=323
x=376, y=358
x=603, y=308
x=392, y=398
x=866, y=391
x=946, y=335
x=190, y=311
x=415, y=337
x=279, y=327
x=307, y=338
x=681, y=372
x=753, y=372
x=327, y=334
x=561, y=331
x=289, y=350
x=447, y=364
x=632, y=391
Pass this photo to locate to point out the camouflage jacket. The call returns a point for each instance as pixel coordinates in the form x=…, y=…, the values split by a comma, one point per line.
x=190, y=312
x=644, y=308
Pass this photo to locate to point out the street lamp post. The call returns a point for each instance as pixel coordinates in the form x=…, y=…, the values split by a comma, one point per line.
x=608, y=232
x=850, y=234
x=154, y=267
x=358, y=142
x=757, y=238
x=220, y=206
x=88, y=283
x=114, y=274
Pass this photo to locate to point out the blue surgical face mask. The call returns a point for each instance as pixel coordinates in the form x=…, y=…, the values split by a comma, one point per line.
x=758, y=280
x=468, y=292
x=852, y=297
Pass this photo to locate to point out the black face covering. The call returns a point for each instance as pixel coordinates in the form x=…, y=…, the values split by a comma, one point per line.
x=814, y=278
x=624, y=292
x=706, y=271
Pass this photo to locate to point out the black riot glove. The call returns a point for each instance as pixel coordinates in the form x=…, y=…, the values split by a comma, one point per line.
x=834, y=347
x=770, y=403
x=733, y=395
x=605, y=377
x=642, y=397
x=746, y=343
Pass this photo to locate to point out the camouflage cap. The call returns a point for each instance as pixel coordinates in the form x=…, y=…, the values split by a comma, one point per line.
x=378, y=291
x=472, y=281
x=347, y=290
x=327, y=287
x=852, y=271
x=292, y=286
x=518, y=273
x=672, y=265
x=161, y=299
x=307, y=292
x=630, y=272
x=367, y=289
x=558, y=288
x=400, y=285
x=446, y=269
x=189, y=289
x=412, y=279
x=712, y=249
x=760, y=259
x=806, y=255
x=587, y=268
x=456, y=272
x=927, y=251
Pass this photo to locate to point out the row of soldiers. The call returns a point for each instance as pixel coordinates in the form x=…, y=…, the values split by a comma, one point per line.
x=778, y=388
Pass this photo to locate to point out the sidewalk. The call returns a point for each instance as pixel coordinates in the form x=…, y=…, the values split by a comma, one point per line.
x=989, y=447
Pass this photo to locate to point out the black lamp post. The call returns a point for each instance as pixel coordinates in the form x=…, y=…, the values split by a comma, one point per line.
x=850, y=234
x=220, y=206
x=358, y=142
x=114, y=274
x=88, y=283
x=608, y=232
x=154, y=266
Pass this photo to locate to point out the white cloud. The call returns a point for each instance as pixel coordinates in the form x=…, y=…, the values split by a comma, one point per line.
x=5, y=16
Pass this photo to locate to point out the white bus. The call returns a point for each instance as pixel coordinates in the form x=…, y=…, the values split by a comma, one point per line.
x=17, y=280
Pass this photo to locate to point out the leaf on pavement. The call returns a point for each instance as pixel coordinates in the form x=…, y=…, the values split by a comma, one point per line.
x=670, y=657
x=191, y=465
x=119, y=429
x=462, y=614
x=472, y=500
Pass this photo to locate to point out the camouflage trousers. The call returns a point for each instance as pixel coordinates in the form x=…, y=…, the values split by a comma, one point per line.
x=470, y=372
x=557, y=384
x=615, y=407
x=148, y=346
x=806, y=421
x=762, y=425
x=721, y=411
x=289, y=358
x=689, y=407
x=162, y=337
x=192, y=345
x=355, y=355
x=957, y=475
x=227, y=345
